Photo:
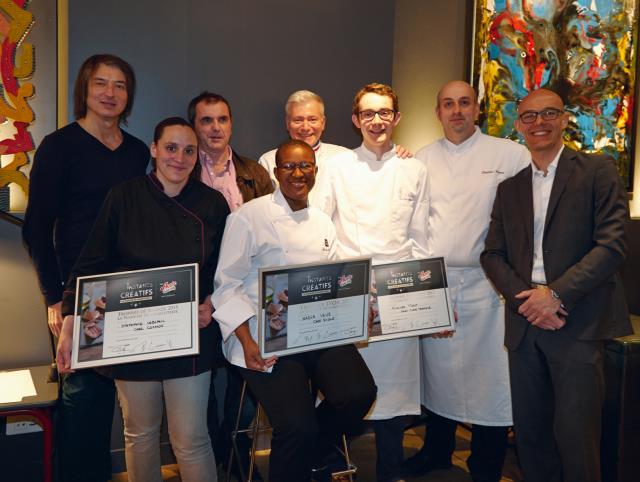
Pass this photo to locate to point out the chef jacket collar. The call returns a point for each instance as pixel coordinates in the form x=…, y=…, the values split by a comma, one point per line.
x=156, y=182
x=372, y=156
x=282, y=201
x=463, y=146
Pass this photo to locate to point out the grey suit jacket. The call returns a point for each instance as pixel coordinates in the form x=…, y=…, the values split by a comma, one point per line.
x=584, y=244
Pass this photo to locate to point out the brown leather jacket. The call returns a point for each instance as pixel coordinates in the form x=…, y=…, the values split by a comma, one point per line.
x=253, y=179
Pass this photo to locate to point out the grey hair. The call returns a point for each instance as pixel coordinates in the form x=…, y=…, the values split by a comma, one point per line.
x=301, y=97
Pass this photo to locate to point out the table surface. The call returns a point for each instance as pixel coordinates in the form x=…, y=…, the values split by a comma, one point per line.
x=46, y=393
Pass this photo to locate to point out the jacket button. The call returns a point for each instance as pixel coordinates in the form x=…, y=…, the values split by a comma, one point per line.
x=197, y=238
x=547, y=251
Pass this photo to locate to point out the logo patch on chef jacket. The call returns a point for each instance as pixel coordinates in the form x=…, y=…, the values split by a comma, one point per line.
x=325, y=246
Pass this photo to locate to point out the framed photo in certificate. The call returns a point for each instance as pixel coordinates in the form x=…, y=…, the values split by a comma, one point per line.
x=312, y=306
x=410, y=298
x=135, y=316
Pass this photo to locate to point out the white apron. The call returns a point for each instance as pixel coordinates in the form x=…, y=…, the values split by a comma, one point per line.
x=466, y=377
x=395, y=365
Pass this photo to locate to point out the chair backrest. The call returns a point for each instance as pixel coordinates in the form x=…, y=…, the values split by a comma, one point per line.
x=24, y=334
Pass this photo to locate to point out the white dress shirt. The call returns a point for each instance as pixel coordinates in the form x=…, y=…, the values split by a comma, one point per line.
x=541, y=183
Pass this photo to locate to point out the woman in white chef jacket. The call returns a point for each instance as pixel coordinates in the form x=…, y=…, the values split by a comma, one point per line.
x=276, y=230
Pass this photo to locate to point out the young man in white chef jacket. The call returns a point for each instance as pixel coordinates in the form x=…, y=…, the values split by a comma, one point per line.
x=466, y=375
x=378, y=203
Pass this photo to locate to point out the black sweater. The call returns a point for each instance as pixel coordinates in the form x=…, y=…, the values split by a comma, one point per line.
x=71, y=175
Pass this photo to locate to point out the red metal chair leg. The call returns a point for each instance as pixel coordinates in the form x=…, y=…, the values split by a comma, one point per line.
x=44, y=417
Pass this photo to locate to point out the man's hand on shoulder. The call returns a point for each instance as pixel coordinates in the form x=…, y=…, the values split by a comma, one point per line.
x=403, y=152
x=542, y=309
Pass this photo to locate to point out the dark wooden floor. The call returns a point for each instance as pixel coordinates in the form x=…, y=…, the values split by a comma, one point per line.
x=362, y=452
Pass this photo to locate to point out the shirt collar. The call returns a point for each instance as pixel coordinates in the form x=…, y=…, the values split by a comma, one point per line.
x=316, y=146
x=208, y=162
x=464, y=145
x=372, y=156
x=282, y=201
x=551, y=170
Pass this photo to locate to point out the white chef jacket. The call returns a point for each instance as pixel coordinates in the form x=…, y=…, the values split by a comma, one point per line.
x=323, y=152
x=379, y=208
x=466, y=377
x=264, y=232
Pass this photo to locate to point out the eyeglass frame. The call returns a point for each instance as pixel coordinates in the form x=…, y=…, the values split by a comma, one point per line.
x=377, y=113
x=304, y=166
x=540, y=113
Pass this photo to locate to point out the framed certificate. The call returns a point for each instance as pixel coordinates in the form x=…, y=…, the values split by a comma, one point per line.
x=312, y=306
x=136, y=315
x=410, y=298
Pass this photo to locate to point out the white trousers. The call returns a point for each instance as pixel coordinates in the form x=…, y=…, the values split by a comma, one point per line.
x=186, y=401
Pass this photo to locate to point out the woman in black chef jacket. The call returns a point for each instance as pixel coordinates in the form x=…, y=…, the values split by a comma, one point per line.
x=165, y=218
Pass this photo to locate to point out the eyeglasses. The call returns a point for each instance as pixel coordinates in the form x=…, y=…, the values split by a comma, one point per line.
x=305, y=167
x=384, y=114
x=530, y=116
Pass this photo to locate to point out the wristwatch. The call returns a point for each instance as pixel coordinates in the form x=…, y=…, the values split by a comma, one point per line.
x=556, y=296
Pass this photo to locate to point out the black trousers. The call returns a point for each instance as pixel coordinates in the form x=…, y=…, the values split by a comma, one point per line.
x=302, y=433
x=557, y=391
x=389, y=450
x=84, y=416
x=488, y=447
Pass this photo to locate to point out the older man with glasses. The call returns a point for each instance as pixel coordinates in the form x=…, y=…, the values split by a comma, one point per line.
x=554, y=245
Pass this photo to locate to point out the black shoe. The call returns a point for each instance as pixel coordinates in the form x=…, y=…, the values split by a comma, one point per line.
x=420, y=464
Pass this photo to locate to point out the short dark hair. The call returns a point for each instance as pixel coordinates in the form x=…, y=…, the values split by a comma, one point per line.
x=157, y=134
x=291, y=143
x=208, y=98
x=81, y=86
x=374, y=88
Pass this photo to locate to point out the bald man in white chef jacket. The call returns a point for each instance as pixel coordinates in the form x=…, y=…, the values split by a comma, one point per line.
x=465, y=373
x=378, y=203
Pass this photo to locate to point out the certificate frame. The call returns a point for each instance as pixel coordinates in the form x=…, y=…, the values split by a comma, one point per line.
x=334, y=290
x=156, y=316
x=410, y=289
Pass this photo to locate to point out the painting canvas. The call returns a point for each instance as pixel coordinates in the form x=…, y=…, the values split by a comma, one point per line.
x=583, y=49
x=28, y=72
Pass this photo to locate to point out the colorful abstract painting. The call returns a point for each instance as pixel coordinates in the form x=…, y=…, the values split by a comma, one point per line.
x=16, y=66
x=583, y=49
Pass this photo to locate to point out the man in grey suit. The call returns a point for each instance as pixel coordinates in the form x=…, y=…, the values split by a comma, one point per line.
x=555, y=243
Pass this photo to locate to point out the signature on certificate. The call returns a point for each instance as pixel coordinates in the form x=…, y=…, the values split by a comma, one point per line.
x=144, y=346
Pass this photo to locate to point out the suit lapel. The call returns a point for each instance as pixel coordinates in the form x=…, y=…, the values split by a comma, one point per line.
x=524, y=196
x=563, y=173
